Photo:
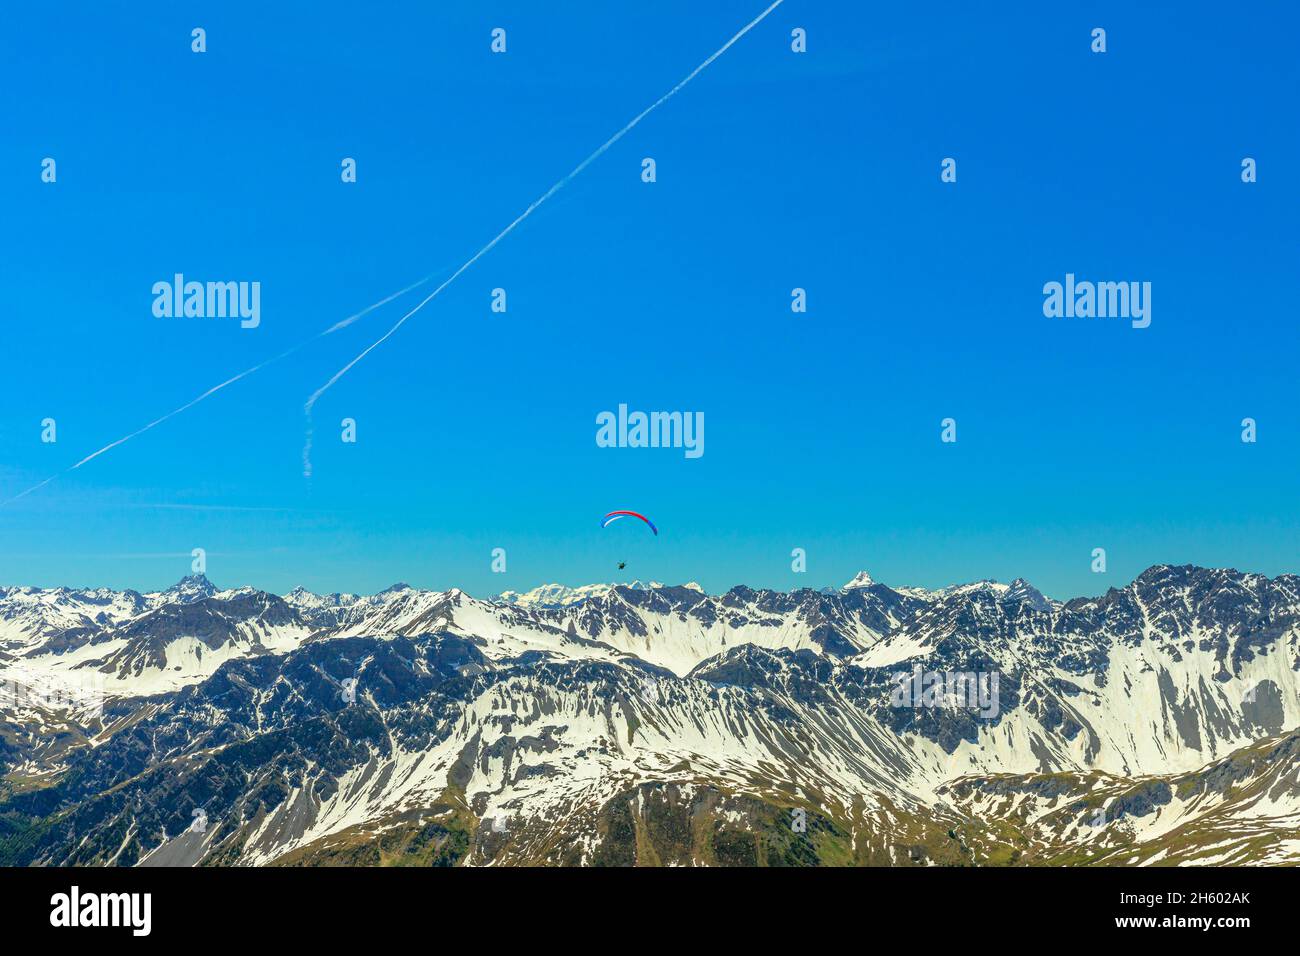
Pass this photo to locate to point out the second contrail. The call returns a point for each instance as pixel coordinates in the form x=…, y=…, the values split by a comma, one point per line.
x=341, y=324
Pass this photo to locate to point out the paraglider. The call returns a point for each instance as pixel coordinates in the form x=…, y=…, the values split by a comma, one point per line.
x=613, y=516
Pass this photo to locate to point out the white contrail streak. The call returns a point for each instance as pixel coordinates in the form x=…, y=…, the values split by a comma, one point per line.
x=306, y=451
x=341, y=324
x=344, y=323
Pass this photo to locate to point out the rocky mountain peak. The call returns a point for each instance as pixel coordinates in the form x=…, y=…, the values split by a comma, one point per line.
x=192, y=587
x=861, y=580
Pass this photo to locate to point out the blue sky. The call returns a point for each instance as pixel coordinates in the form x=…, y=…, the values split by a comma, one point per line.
x=775, y=170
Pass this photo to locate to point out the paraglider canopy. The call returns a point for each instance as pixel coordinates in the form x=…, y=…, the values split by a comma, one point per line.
x=613, y=516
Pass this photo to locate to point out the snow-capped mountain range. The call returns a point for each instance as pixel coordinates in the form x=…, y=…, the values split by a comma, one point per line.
x=1155, y=723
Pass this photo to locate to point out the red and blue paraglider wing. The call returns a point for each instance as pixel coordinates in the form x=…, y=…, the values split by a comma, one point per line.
x=613, y=516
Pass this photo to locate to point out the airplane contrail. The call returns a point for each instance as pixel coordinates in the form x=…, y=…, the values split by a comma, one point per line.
x=344, y=323
x=311, y=402
x=341, y=324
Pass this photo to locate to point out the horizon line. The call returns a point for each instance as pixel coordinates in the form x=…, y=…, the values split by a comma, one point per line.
x=636, y=584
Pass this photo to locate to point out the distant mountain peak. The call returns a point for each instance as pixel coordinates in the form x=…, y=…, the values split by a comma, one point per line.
x=198, y=579
x=192, y=587
x=1021, y=590
x=862, y=580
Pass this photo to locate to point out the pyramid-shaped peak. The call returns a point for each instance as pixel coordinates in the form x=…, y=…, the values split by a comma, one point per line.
x=862, y=580
x=1022, y=590
x=192, y=587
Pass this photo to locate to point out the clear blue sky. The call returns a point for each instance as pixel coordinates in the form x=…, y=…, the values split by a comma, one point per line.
x=775, y=170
